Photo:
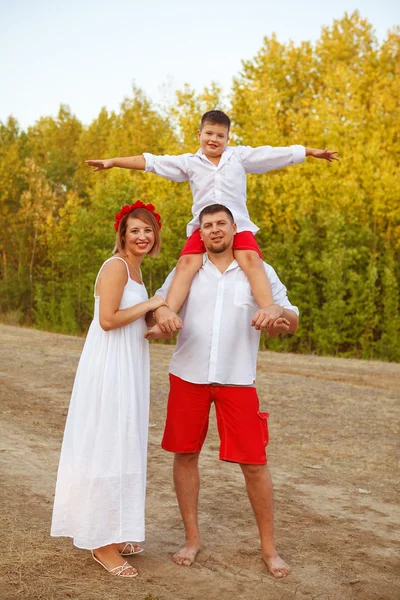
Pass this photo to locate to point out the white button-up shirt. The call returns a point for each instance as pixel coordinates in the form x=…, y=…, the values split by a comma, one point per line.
x=217, y=343
x=224, y=183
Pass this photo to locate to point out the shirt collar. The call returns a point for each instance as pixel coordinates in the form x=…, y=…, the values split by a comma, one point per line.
x=208, y=264
x=227, y=153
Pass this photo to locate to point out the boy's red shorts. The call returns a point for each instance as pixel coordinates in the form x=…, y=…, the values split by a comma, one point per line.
x=243, y=429
x=245, y=240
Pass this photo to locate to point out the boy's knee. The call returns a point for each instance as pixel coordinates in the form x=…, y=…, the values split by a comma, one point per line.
x=189, y=261
x=248, y=257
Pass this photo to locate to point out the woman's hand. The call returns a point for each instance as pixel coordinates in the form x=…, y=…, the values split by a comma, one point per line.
x=155, y=302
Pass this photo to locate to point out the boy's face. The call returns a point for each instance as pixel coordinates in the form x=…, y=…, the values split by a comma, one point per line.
x=213, y=139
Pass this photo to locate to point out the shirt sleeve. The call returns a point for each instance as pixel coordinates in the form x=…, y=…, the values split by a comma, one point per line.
x=163, y=290
x=266, y=158
x=279, y=291
x=170, y=167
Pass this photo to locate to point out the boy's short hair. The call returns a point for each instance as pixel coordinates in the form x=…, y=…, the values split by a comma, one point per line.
x=214, y=208
x=215, y=117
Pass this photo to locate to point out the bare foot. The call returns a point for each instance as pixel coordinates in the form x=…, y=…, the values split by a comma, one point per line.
x=155, y=333
x=277, y=567
x=280, y=325
x=186, y=556
x=111, y=558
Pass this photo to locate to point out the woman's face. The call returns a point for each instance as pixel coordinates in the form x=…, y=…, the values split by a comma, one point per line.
x=139, y=237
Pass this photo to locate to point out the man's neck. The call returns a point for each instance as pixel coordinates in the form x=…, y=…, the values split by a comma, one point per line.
x=221, y=260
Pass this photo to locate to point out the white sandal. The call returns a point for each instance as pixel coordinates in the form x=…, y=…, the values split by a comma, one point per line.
x=130, y=546
x=117, y=571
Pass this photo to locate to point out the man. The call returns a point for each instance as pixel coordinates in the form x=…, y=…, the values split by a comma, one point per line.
x=215, y=361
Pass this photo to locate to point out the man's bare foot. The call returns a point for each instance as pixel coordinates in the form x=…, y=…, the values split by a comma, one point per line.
x=276, y=566
x=186, y=556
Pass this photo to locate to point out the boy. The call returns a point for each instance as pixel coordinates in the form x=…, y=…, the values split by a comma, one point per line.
x=217, y=174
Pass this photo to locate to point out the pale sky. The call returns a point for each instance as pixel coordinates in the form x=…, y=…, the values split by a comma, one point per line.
x=87, y=54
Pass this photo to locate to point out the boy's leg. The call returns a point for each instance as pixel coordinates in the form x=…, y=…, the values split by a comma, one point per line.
x=187, y=486
x=259, y=489
x=190, y=261
x=187, y=267
x=253, y=267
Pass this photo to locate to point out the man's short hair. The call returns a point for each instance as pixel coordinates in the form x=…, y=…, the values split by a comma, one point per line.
x=215, y=117
x=214, y=208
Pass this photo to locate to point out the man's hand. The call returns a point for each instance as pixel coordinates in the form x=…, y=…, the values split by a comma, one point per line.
x=100, y=165
x=278, y=326
x=326, y=154
x=167, y=320
x=155, y=333
x=265, y=316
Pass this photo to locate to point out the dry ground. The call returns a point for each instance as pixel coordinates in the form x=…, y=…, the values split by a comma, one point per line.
x=333, y=433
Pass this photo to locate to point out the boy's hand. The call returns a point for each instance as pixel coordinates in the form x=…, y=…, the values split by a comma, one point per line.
x=167, y=320
x=100, y=165
x=328, y=155
x=264, y=316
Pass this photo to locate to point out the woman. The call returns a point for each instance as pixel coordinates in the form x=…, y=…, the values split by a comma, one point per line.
x=101, y=482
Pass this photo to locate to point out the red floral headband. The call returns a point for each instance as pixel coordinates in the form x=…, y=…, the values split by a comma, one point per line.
x=139, y=204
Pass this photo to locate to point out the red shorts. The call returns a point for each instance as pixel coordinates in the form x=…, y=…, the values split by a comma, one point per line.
x=244, y=240
x=242, y=428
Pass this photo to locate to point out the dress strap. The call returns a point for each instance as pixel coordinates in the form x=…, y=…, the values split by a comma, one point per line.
x=101, y=268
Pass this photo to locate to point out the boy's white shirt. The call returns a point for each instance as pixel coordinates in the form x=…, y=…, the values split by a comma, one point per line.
x=224, y=183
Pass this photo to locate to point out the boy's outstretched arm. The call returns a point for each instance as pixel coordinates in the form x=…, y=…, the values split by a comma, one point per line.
x=326, y=154
x=137, y=163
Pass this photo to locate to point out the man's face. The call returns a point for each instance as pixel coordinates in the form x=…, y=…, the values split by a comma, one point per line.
x=213, y=139
x=217, y=232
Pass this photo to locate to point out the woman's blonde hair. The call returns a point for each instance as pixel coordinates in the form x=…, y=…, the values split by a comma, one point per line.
x=143, y=215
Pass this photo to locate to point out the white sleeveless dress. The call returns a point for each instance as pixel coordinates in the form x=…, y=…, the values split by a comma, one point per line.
x=101, y=481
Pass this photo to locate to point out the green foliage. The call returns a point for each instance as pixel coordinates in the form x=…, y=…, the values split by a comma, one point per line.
x=332, y=232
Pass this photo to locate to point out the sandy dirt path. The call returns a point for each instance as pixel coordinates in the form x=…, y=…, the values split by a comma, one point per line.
x=333, y=455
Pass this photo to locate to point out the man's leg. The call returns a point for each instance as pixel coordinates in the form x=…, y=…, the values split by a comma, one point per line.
x=187, y=486
x=259, y=490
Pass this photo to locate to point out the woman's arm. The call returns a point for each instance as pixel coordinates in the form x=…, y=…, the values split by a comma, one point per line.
x=111, y=285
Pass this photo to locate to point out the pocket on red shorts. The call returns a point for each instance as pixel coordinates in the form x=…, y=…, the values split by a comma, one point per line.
x=264, y=425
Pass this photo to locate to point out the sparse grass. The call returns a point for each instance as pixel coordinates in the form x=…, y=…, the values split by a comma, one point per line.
x=341, y=415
